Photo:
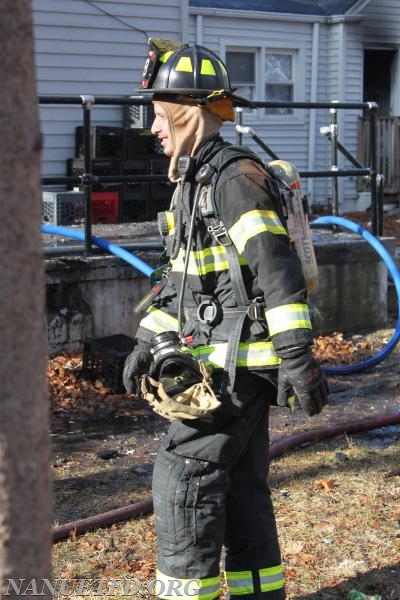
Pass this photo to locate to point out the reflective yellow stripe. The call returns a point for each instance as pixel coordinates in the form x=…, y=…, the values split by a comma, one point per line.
x=239, y=582
x=288, y=316
x=158, y=321
x=164, y=57
x=184, y=64
x=222, y=67
x=205, y=261
x=186, y=589
x=271, y=578
x=207, y=68
x=169, y=216
x=250, y=354
x=252, y=223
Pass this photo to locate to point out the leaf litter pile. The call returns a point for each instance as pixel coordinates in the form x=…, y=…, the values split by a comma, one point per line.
x=337, y=502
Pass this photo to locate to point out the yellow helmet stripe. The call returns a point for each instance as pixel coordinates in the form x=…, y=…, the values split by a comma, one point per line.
x=184, y=64
x=207, y=68
x=164, y=57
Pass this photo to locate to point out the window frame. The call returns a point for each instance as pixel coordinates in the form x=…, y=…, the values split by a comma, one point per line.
x=297, y=51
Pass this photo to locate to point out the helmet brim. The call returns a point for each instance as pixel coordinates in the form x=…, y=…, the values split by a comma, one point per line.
x=196, y=97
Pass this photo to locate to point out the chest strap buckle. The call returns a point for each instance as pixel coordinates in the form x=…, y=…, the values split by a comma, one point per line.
x=209, y=312
x=255, y=311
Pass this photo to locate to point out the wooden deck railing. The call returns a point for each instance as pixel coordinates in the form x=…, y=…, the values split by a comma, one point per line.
x=388, y=151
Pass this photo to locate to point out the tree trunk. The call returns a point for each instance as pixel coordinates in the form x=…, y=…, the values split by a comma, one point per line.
x=25, y=505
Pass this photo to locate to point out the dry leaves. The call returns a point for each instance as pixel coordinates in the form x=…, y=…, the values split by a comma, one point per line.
x=335, y=349
x=327, y=485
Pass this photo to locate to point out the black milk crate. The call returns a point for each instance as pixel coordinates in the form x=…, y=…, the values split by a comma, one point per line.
x=105, y=142
x=63, y=208
x=104, y=359
x=138, y=116
x=99, y=166
x=134, y=202
x=140, y=142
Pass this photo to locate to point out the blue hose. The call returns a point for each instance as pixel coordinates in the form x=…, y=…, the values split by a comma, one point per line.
x=144, y=268
x=392, y=267
x=128, y=257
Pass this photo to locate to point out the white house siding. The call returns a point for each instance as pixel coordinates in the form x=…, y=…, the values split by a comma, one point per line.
x=381, y=23
x=379, y=28
x=81, y=50
x=288, y=137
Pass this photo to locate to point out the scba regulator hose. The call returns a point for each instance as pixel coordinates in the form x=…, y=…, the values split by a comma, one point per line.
x=393, y=270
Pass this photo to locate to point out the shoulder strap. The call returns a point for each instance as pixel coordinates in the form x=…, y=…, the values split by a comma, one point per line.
x=225, y=157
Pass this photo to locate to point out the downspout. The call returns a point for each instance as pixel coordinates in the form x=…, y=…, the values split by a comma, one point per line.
x=184, y=32
x=341, y=117
x=313, y=114
x=199, y=29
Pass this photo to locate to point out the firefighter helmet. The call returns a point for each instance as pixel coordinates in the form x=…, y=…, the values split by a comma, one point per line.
x=186, y=73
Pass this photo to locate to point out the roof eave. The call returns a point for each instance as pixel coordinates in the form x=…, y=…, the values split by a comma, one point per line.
x=270, y=16
x=357, y=7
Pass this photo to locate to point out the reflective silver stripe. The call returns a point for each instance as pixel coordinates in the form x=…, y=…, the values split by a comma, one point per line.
x=205, y=261
x=175, y=588
x=158, y=321
x=239, y=582
x=250, y=354
x=288, y=316
x=251, y=224
x=272, y=578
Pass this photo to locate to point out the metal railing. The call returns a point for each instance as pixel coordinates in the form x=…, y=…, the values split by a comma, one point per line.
x=369, y=173
x=88, y=179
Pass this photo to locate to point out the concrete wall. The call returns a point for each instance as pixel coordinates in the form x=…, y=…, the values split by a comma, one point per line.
x=91, y=297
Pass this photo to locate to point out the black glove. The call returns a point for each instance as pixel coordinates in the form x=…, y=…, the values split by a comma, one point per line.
x=137, y=363
x=302, y=375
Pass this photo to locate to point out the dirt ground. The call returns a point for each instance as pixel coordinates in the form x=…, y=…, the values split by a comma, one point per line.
x=337, y=501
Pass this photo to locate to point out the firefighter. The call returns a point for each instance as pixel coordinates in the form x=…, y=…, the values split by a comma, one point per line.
x=235, y=293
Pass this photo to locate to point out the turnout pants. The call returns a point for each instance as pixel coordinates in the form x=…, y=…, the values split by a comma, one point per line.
x=212, y=502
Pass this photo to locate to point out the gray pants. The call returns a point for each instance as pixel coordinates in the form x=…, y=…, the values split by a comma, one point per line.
x=210, y=493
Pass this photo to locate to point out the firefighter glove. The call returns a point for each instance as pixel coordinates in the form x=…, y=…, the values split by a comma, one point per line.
x=137, y=363
x=302, y=375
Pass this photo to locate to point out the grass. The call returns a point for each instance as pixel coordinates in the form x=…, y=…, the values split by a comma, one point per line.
x=337, y=506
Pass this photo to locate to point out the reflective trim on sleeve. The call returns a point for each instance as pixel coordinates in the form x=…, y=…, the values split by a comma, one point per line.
x=158, y=321
x=251, y=224
x=205, y=261
x=239, y=582
x=272, y=578
x=175, y=588
x=288, y=316
x=250, y=354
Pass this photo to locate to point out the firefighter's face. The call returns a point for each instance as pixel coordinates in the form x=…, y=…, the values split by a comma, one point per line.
x=161, y=129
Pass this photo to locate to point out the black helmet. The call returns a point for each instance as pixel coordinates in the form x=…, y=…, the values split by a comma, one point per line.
x=187, y=73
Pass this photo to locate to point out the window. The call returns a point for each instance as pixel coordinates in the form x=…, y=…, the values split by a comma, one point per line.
x=242, y=72
x=279, y=81
x=266, y=74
